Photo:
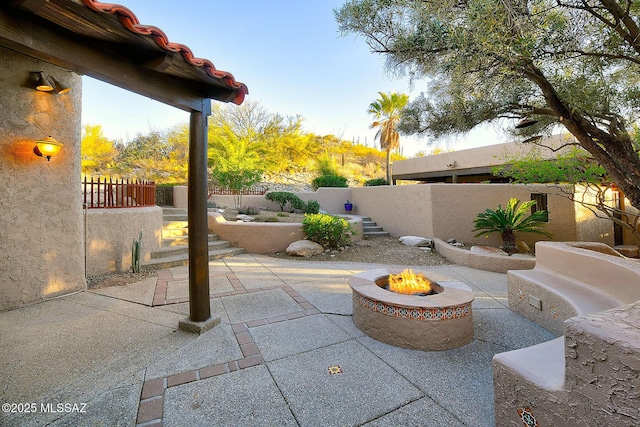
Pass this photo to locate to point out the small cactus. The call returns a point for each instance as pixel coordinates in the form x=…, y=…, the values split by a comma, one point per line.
x=135, y=253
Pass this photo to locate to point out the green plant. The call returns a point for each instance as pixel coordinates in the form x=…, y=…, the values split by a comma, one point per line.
x=248, y=210
x=327, y=230
x=271, y=219
x=329, y=181
x=282, y=214
x=508, y=221
x=284, y=198
x=375, y=182
x=312, y=207
x=135, y=253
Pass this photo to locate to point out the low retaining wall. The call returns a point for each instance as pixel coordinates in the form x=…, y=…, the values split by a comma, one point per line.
x=487, y=262
x=110, y=234
x=265, y=237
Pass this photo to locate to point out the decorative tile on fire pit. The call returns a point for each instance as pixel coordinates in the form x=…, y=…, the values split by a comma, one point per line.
x=438, y=321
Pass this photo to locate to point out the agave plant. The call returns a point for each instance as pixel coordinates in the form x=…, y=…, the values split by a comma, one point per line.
x=508, y=221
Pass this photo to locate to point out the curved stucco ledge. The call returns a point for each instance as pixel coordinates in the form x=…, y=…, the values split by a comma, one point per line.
x=487, y=262
x=265, y=237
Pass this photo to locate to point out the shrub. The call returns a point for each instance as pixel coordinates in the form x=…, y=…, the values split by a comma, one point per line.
x=329, y=181
x=508, y=221
x=249, y=210
x=282, y=214
x=375, y=182
x=284, y=198
x=313, y=207
x=327, y=230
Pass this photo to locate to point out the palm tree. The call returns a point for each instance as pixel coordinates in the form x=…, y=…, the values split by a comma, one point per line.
x=508, y=221
x=387, y=112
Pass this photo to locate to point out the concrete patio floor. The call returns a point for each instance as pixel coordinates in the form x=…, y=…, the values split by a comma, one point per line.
x=286, y=353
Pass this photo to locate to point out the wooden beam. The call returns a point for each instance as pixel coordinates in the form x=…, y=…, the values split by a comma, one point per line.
x=199, y=308
x=33, y=36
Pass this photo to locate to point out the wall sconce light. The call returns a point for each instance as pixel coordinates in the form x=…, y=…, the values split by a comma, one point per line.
x=50, y=84
x=43, y=85
x=47, y=147
x=58, y=87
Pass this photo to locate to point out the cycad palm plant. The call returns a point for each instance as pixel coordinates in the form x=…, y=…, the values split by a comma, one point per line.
x=508, y=221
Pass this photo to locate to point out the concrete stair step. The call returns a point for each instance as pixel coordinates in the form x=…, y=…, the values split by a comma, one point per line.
x=371, y=229
x=175, y=217
x=179, y=260
x=170, y=251
x=376, y=233
x=182, y=240
x=171, y=210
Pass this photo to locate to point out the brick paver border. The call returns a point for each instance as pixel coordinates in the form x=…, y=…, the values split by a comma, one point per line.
x=150, y=408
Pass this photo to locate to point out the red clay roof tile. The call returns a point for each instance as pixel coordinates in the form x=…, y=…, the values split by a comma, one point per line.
x=130, y=21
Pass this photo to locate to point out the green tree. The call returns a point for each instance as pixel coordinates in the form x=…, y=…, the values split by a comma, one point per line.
x=577, y=168
x=97, y=153
x=235, y=162
x=510, y=220
x=570, y=63
x=387, y=111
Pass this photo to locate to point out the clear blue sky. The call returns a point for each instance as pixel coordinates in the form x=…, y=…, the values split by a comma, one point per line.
x=288, y=52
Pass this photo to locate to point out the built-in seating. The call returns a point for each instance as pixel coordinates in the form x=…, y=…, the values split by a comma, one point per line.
x=572, y=279
x=591, y=375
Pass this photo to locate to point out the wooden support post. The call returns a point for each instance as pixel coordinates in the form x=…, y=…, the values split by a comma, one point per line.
x=199, y=310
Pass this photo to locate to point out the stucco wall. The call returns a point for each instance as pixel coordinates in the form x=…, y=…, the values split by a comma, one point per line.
x=456, y=207
x=589, y=225
x=110, y=234
x=331, y=200
x=265, y=237
x=401, y=210
x=41, y=237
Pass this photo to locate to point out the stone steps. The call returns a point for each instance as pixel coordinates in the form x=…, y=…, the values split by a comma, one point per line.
x=371, y=229
x=175, y=243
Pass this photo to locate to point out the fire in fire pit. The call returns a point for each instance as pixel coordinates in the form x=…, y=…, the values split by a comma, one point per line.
x=409, y=283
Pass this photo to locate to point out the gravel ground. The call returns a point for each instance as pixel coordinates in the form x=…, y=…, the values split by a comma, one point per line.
x=382, y=250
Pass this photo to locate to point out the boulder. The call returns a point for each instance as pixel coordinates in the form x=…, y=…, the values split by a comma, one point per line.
x=416, y=241
x=244, y=218
x=480, y=249
x=304, y=248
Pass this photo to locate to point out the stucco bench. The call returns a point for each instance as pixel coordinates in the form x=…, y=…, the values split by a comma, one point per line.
x=588, y=377
x=570, y=280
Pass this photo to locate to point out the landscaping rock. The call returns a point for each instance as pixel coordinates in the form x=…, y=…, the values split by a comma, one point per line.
x=479, y=249
x=416, y=241
x=304, y=248
x=523, y=247
x=244, y=218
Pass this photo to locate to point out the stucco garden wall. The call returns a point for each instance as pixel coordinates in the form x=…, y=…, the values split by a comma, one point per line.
x=41, y=237
x=456, y=207
x=110, y=234
x=331, y=200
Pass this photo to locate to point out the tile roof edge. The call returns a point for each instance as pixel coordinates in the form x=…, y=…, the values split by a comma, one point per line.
x=130, y=21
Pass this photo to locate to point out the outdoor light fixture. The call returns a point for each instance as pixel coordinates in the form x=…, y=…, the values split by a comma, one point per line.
x=525, y=123
x=50, y=84
x=58, y=87
x=47, y=147
x=43, y=84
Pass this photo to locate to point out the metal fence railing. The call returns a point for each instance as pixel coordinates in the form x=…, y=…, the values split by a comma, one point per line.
x=105, y=193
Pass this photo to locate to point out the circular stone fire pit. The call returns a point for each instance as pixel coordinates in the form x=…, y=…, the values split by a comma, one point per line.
x=433, y=322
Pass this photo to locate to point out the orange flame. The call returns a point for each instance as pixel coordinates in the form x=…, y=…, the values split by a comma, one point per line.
x=409, y=283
